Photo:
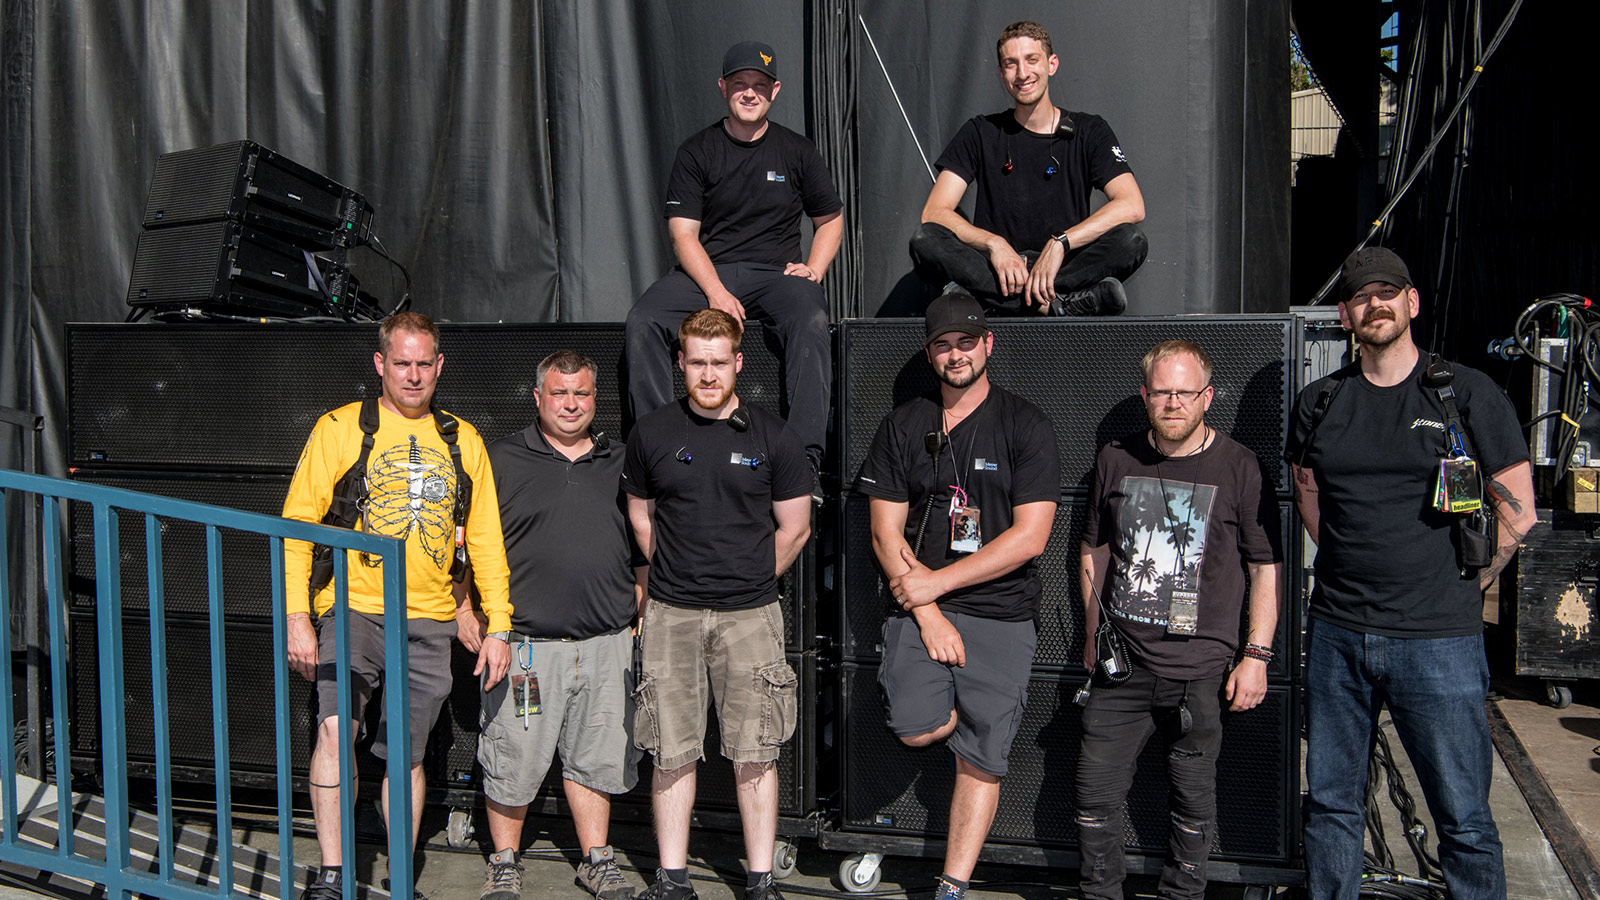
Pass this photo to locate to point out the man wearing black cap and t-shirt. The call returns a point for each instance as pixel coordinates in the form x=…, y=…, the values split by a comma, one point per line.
x=1034, y=244
x=964, y=487
x=1397, y=611
x=734, y=201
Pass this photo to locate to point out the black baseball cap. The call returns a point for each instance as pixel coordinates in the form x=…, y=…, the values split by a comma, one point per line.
x=955, y=311
x=1370, y=264
x=750, y=55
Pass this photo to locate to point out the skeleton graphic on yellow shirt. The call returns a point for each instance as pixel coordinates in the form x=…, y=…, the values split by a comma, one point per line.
x=413, y=487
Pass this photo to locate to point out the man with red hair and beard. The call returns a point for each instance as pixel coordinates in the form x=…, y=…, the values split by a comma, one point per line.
x=1397, y=611
x=957, y=653
x=1178, y=514
x=719, y=494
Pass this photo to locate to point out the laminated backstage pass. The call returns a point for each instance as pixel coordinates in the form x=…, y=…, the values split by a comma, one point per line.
x=965, y=536
x=1183, y=613
x=1460, y=486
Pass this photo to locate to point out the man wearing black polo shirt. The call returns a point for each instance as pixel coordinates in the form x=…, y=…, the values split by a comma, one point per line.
x=576, y=588
x=719, y=496
x=964, y=487
x=734, y=201
x=1034, y=245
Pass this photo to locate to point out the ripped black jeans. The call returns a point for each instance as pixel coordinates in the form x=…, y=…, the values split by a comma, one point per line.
x=1116, y=724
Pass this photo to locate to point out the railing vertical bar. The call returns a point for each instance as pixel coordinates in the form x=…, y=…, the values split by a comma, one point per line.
x=219, y=705
x=162, y=721
x=341, y=654
x=113, y=740
x=280, y=703
x=8, y=760
x=56, y=605
x=395, y=689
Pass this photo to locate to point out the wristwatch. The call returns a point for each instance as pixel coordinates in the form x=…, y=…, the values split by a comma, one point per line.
x=1062, y=240
x=501, y=636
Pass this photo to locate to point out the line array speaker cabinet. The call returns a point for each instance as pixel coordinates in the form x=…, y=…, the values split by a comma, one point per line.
x=1060, y=624
x=1084, y=375
x=151, y=396
x=891, y=789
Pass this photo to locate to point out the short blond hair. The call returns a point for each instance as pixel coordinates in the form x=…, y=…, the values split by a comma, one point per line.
x=1169, y=349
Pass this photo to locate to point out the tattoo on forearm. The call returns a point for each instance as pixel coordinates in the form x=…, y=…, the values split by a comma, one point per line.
x=1500, y=492
x=1502, y=556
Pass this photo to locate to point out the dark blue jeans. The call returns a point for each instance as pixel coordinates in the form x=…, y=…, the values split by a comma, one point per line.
x=940, y=258
x=1435, y=689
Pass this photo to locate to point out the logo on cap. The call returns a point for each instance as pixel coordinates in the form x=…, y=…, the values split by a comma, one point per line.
x=765, y=58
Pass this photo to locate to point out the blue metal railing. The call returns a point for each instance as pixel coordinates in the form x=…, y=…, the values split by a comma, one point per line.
x=116, y=872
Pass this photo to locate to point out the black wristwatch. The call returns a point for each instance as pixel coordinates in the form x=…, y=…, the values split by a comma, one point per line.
x=1062, y=240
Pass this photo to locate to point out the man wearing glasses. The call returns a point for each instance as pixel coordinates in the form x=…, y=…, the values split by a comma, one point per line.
x=1177, y=515
x=964, y=486
x=1396, y=616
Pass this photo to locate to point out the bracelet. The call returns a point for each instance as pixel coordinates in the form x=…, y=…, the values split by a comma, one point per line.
x=1257, y=651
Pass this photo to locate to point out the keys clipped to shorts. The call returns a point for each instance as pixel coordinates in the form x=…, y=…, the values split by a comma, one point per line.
x=525, y=687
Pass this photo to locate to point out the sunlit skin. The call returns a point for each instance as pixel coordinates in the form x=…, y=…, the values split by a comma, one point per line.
x=959, y=359
x=1174, y=423
x=410, y=371
x=749, y=94
x=710, y=372
x=1379, y=313
x=1025, y=70
x=566, y=406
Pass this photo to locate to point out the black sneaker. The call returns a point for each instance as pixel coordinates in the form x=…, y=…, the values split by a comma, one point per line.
x=328, y=886
x=600, y=876
x=764, y=890
x=944, y=890
x=663, y=889
x=415, y=893
x=1103, y=298
x=504, y=880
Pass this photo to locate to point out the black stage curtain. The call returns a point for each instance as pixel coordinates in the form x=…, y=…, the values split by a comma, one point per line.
x=516, y=153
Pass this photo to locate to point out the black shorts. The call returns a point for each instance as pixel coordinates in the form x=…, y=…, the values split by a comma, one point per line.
x=428, y=655
x=987, y=693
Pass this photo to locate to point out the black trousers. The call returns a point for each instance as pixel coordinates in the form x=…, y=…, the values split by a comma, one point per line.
x=795, y=308
x=940, y=258
x=1119, y=720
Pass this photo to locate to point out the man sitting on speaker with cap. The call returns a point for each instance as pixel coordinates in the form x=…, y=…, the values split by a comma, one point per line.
x=963, y=488
x=1379, y=452
x=1178, y=516
x=1034, y=245
x=393, y=466
x=734, y=200
x=719, y=497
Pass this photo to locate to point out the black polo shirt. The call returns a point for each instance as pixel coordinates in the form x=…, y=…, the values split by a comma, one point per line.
x=568, y=541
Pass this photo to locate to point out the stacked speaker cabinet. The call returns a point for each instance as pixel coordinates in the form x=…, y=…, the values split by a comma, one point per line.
x=218, y=413
x=1084, y=375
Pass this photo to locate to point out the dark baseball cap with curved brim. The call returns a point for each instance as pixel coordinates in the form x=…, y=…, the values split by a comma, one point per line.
x=1370, y=264
x=954, y=311
x=750, y=55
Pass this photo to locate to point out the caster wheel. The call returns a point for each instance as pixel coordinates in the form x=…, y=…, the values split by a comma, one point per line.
x=784, y=858
x=1559, y=695
x=458, y=831
x=857, y=877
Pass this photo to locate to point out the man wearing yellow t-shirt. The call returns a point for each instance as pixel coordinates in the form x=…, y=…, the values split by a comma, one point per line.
x=411, y=490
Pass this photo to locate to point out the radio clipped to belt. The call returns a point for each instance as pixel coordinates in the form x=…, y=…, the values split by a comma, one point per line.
x=1459, y=489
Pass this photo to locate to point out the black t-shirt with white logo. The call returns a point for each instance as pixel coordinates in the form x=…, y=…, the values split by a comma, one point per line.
x=1386, y=559
x=1005, y=451
x=1025, y=206
x=714, y=487
x=748, y=196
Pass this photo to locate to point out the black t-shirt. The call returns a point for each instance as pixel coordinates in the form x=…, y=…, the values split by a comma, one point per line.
x=714, y=488
x=748, y=197
x=1215, y=518
x=568, y=541
x=1003, y=455
x=1025, y=206
x=1386, y=559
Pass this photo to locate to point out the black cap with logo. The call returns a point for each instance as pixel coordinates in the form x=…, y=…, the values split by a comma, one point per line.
x=955, y=311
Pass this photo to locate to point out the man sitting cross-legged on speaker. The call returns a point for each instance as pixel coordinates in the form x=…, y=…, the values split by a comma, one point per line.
x=1178, y=515
x=963, y=488
x=1033, y=245
x=577, y=583
x=734, y=200
x=397, y=467
x=719, y=495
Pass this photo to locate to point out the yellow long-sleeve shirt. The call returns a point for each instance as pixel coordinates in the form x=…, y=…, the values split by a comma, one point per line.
x=411, y=495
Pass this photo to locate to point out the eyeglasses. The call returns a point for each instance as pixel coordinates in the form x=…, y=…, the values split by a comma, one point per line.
x=1184, y=398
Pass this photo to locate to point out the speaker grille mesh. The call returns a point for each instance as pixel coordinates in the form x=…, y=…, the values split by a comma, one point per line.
x=1084, y=375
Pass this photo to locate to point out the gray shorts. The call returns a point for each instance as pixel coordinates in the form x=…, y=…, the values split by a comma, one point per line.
x=987, y=693
x=694, y=655
x=428, y=684
x=586, y=713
